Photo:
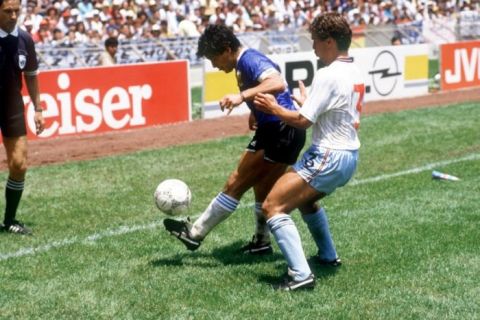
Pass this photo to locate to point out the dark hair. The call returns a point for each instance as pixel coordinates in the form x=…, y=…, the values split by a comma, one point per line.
x=395, y=38
x=332, y=25
x=111, y=42
x=215, y=40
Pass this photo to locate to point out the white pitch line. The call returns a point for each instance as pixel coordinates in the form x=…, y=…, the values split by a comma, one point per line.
x=66, y=242
x=129, y=229
x=473, y=156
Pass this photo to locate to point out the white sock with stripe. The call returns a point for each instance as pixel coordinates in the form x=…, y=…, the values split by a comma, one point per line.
x=218, y=210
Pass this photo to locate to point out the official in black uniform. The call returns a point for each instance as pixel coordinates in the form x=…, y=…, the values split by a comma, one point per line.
x=17, y=57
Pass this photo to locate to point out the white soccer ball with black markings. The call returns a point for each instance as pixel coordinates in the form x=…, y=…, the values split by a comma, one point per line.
x=173, y=197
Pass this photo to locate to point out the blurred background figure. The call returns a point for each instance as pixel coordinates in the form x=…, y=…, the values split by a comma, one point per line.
x=107, y=58
x=396, y=41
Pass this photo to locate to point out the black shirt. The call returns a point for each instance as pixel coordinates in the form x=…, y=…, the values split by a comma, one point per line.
x=17, y=55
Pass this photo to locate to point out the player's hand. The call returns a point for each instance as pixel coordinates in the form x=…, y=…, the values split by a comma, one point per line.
x=252, y=122
x=265, y=102
x=230, y=101
x=300, y=99
x=39, y=122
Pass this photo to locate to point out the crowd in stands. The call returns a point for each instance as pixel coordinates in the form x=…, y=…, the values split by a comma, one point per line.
x=69, y=22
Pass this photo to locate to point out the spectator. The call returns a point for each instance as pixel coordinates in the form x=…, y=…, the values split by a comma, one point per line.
x=81, y=32
x=107, y=58
x=155, y=31
x=187, y=18
x=28, y=26
x=216, y=15
x=152, y=9
x=58, y=37
x=125, y=33
x=257, y=21
x=186, y=28
x=96, y=23
x=32, y=16
x=209, y=5
x=94, y=37
x=85, y=7
x=164, y=30
x=70, y=40
x=53, y=16
x=105, y=13
x=271, y=20
x=43, y=35
x=299, y=18
x=396, y=41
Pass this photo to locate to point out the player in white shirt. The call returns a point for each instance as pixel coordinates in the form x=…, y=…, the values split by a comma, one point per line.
x=332, y=107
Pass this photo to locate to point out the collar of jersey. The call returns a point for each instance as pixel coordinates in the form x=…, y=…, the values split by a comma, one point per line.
x=241, y=54
x=14, y=33
x=345, y=59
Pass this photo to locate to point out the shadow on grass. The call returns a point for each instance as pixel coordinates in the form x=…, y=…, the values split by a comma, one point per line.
x=219, y=256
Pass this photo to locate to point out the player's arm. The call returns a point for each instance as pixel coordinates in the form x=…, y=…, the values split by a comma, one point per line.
x=268, y=104
x=270, y=81
x=31, y=80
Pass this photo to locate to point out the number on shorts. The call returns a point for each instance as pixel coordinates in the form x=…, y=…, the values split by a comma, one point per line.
x=309, y=161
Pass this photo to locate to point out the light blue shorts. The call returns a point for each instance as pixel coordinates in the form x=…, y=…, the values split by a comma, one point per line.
x=327, y=169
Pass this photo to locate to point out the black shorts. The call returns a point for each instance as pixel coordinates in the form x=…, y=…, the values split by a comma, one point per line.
x=280, y=142
x=12, y=120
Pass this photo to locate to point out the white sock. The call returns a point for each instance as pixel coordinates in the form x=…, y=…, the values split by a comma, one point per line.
x=217, y=211
x=262, y=233
x=288, y=239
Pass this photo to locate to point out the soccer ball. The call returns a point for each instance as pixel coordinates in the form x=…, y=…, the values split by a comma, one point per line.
x=173, y=197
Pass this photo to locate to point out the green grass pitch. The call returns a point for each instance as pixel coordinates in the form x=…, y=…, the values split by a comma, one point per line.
x=410, y=244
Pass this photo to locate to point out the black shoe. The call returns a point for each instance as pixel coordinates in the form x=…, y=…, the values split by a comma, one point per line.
x=292, y=285
x=257, y=247
x=181, y=230
x=332, y=263
x=16, y=227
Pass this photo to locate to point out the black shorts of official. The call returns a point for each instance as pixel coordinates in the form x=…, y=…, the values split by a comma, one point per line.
x=281, y=143
x=12, y=121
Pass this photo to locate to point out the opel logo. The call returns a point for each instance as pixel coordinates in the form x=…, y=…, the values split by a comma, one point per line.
x=385, y=73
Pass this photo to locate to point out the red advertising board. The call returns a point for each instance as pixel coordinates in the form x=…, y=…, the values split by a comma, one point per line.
x=460, y=65
x=94, y=100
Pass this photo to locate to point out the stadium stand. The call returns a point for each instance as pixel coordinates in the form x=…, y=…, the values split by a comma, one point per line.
x=70, y=33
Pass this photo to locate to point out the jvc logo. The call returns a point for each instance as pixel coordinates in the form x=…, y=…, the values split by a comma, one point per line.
x=466, y=64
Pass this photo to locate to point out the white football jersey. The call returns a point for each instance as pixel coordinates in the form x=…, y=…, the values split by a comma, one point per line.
x=334, y=105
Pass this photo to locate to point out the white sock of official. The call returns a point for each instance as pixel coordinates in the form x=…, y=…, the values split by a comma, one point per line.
x=288, y=239
x=318, y=225
x=262, y=233
x=218, y=210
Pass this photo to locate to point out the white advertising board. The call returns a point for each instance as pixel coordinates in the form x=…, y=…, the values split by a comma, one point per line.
x=390, y=72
